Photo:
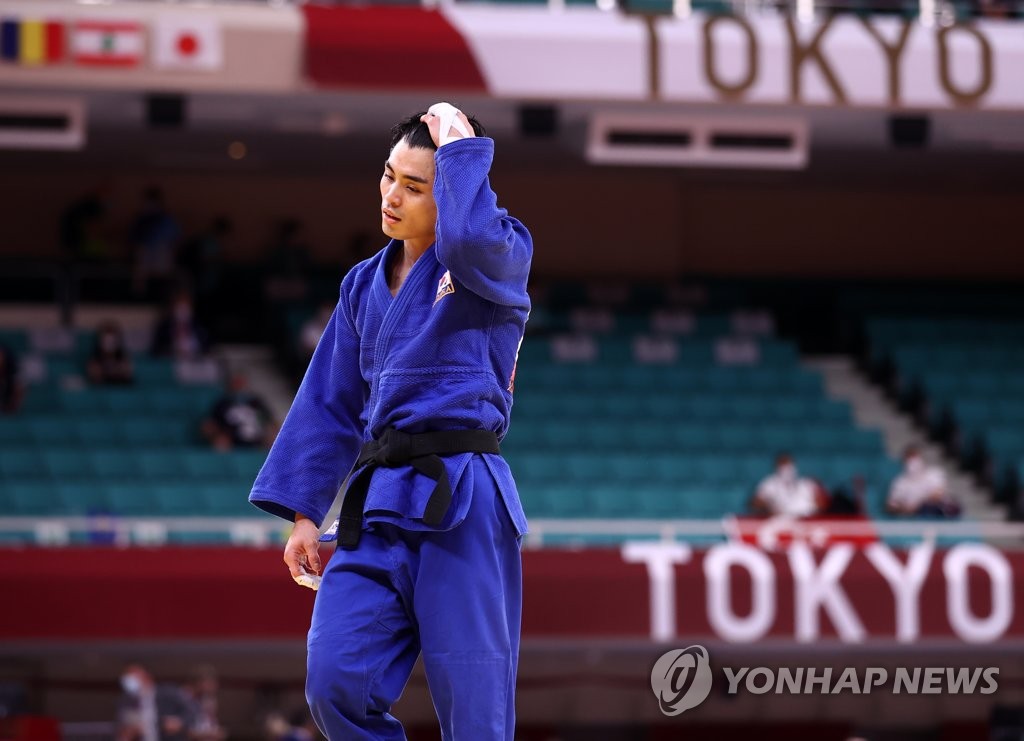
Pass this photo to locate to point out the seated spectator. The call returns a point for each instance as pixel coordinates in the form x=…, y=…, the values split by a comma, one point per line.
x=177, y=334
x=201, y=698
x=312, y=329
x=920, y=490
x=154, y=240
x=200, y=260
x=298, y=726
x=146, y=711
x=786, y=493
x=110, y=364
x=82, y=226
x=239, y=419
x=12, y=390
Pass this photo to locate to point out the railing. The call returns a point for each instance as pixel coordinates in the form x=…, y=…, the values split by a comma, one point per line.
x=263, y=531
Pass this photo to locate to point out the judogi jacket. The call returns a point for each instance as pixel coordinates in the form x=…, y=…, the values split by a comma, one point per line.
x=441, y=355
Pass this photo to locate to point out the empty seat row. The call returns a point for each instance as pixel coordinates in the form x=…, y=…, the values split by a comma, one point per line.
x=667, y=379
x=654, y=501
x=704, y=469
x=618, y=501
x=657, y=435
x=658, y=351
x=72, y=464
x=127, y=498
x=656, y=404
x=105, y=431
x=186, y=400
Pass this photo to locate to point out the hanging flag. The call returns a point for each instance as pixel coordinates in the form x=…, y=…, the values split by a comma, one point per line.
x=107, y=43
x=187, y=42
x=31, y=42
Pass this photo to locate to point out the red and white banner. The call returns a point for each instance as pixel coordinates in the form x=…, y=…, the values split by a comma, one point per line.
x=586, y=54
x=107, y=43
x=734, y=592
x=187, y=42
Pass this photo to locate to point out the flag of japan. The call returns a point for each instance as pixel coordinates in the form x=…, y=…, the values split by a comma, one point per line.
x=187, y=42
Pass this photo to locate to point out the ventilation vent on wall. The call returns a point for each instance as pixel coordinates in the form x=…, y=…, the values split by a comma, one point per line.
x=41, y=123
x=690, y=141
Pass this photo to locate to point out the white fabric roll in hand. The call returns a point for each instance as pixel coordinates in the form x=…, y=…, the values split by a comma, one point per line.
x=448, y=116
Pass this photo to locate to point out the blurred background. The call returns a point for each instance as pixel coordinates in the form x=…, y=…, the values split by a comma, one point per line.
x=770, y=400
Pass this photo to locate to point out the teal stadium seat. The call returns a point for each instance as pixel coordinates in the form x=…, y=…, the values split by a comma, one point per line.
x=22, y=462
x=14, y=431
x=658, y=501
x=115, y=464
x=227, y=500
x=181, y=499
x=84, y=401
x=132, y=499
x=64, y=464
x=206, y=465
x=158, y=464
x=81, y=498
x=31, y=498
x=51, y=431
x=612, y=501
x=565, y=501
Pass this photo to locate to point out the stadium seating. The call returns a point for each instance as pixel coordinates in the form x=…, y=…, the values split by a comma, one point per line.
x=967, y=370
x=132, y=451
x=631, y=414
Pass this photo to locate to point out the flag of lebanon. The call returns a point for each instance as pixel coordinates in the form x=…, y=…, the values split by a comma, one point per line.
x=187, y=42
x=107, y=43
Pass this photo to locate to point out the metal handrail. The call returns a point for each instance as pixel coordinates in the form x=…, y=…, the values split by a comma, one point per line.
x=263, y=531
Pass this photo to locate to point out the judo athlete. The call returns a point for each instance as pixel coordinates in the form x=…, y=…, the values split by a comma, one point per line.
x=409, y=391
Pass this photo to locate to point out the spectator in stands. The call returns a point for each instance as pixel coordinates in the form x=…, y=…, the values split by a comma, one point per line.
x=921, y=489
x=201, y=697
x=12, y=390
x=239, y=419
x=110, y=364
x=299, y=726
x=289, y=253
x=288, y=263
x=786, y=493
x=147, y=712
x=154, y=239
x=177, y=333
x=312, y=329
x=81, y=226
x=199, y=260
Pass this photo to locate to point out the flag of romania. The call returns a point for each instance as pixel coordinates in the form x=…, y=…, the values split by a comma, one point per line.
x=31, y=42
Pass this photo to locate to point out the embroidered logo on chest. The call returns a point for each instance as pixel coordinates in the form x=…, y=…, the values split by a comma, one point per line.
x=444, y=286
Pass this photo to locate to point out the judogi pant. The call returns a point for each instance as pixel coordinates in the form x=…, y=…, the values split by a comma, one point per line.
x=455, y=595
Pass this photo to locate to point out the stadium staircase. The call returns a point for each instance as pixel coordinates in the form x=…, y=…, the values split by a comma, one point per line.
x=872, y=408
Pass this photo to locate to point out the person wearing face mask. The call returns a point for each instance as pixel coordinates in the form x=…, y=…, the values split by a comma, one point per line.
x=920, y=490
x=786, y=493
x=147, y=712
x=109, y=364
x=178, y=334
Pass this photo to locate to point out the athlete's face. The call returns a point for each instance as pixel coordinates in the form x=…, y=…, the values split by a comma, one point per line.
x=407, y=204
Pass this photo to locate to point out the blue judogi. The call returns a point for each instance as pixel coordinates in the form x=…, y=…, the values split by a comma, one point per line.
x=440, y=355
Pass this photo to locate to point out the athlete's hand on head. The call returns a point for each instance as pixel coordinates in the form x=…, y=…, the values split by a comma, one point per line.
x=302, y=551
x=454, y=123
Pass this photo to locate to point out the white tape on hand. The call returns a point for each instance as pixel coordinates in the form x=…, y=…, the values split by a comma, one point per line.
x=306, y=579
x=448, y=115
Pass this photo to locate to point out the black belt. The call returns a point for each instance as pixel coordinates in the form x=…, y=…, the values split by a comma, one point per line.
x=421, y=451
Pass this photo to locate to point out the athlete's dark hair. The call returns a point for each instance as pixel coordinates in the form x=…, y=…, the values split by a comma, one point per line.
x=416, y=133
